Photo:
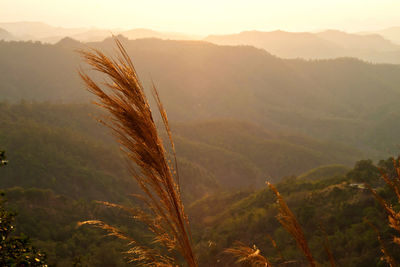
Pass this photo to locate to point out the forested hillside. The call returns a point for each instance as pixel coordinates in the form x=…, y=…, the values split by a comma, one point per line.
x=343, y=100
x=61, y=160
x=63, y=147
x=331, y=205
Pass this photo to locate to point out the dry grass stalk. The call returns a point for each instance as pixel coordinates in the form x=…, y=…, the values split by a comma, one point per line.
x=288, y=220
x=386, y=256
x=248, y=256
x=273, y=242
x=112, y=231
x=393, y=216
x=327, y=246
x=394, y=184
x=139, y=254
x=133, y=125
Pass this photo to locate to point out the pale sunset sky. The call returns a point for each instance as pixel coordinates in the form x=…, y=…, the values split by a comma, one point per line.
x=208, y=16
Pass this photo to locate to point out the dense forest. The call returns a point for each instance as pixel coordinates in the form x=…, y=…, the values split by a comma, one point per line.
x=342, y=100
x=316, y=129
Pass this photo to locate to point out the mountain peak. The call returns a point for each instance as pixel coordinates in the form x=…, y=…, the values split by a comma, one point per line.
x=68, y=42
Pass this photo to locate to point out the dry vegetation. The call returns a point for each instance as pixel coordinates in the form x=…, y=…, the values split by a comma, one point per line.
x=133, y=125
x=248, y=255
x=393, y=181
x=287, y=219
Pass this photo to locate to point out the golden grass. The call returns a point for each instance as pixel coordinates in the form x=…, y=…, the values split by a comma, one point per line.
x=273, y=243
x=386, y=256
x=288, y=220
x=133, y=126
x=393, y=216
x=248, y=256
x=327, y=247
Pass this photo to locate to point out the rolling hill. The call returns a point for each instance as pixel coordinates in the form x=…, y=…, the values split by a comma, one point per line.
x=39, y=31
x=392, y=33
x=62, y=148
x=321, y=45
x=342, y=100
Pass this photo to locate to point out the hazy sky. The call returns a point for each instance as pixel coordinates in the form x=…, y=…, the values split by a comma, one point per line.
x=208, y=16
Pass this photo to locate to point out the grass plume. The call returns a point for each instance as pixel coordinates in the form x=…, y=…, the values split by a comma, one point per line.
x=132, y=123
x=386, y=256
x=248, y=256
x=273, y=243
x=327, y=246
x=393, y=215
x=288, y=220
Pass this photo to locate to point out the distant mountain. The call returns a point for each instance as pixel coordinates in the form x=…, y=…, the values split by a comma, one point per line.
x=323, y=45
x=39, y=31
x=69, y=43
x=353, y=42
x=147, y=33
x=5, y=35
x=392, y=34
x=281, y=43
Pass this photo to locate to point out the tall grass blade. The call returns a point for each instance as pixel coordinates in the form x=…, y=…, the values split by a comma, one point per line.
x=288, y=220
x=248, y=256
x=132, y=123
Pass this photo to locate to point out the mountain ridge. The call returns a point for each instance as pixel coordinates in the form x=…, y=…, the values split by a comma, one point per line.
x=327, y=44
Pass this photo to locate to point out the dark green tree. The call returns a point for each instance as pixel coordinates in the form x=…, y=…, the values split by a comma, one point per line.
x=365, y=172
x=15, y=250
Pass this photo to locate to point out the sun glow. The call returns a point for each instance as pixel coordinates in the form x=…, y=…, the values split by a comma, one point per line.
x=207, y=16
